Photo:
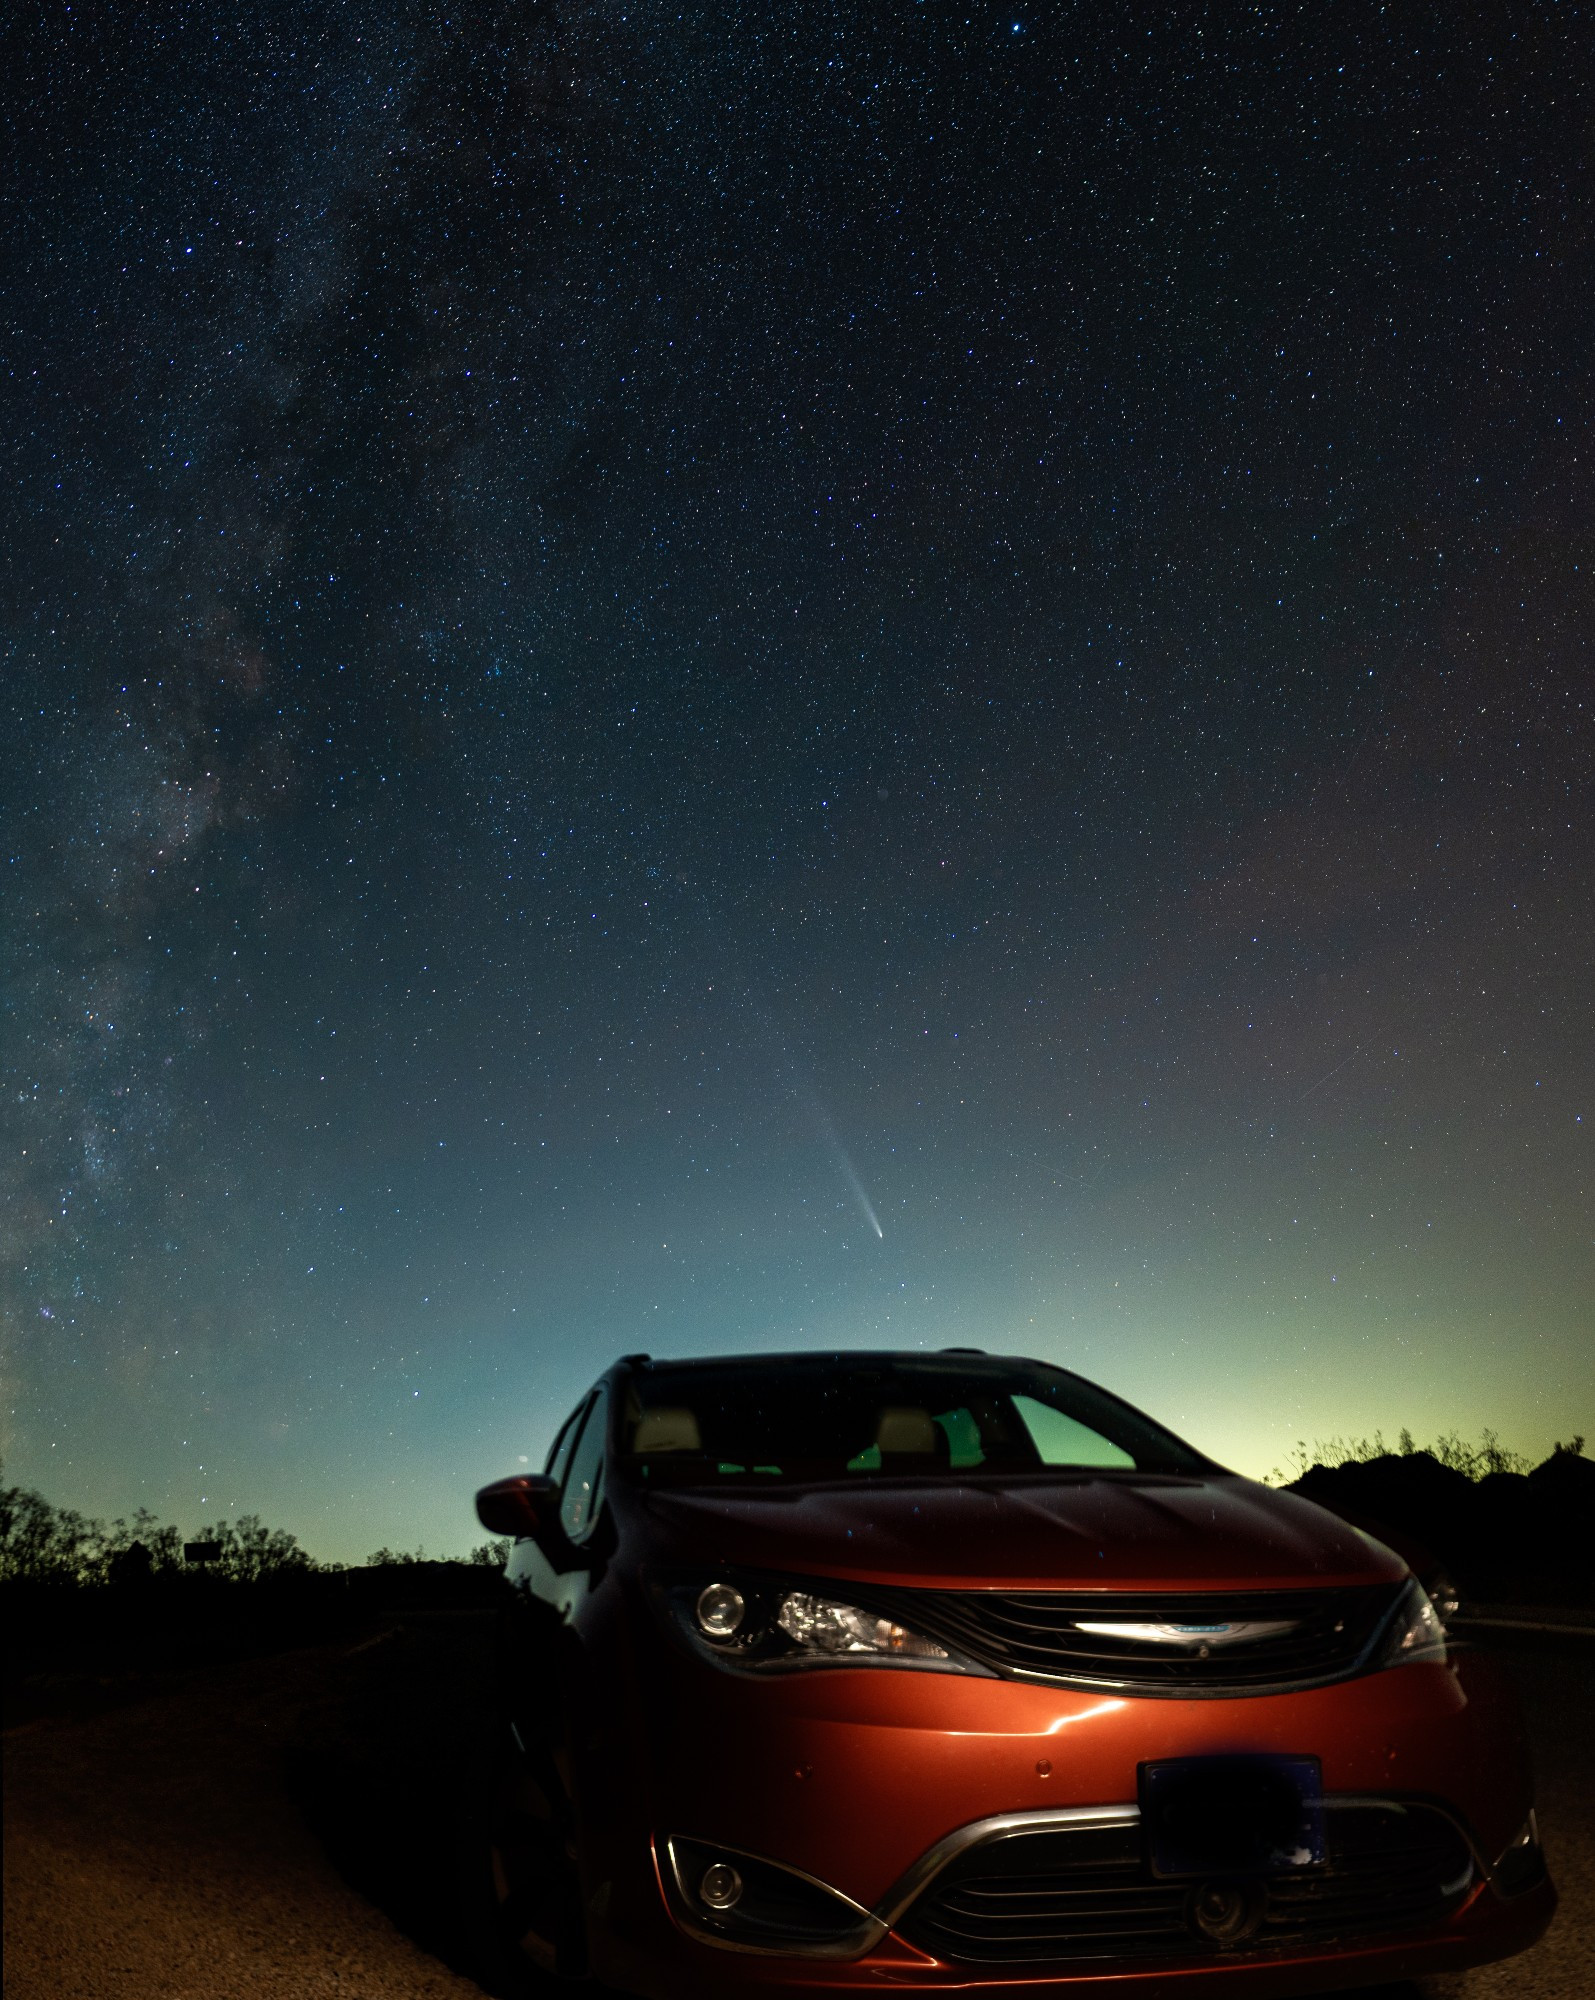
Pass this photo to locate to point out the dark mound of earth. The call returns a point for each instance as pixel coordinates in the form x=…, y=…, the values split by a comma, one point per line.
x=1511, y=1537
x=73, y=1648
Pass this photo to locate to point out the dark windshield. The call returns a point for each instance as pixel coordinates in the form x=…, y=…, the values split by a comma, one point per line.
x=849, y=1416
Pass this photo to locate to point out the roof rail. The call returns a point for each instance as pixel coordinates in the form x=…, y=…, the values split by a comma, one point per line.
x=961, y=1350
x=635, y=1360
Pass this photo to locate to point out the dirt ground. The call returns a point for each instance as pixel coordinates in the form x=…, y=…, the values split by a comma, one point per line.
x=288, y=1827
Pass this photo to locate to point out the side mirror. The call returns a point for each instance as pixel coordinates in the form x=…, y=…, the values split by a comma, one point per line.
x=528, y=1504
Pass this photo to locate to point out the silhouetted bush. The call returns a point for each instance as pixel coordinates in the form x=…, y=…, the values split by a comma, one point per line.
x=1455, y=1453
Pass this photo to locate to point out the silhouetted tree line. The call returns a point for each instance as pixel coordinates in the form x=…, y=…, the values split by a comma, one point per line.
x=44, y=1544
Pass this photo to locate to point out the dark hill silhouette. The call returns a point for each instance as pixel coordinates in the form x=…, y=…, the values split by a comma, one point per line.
x=1510, y=1537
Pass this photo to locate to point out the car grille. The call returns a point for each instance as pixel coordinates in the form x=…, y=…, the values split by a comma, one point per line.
x=1087, y=1892
x=1037, y=1634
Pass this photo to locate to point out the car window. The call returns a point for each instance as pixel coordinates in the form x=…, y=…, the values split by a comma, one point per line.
x=963, y=1439
x=559, y=1452
x=578, y=1507
x=1060, y=1439
x=962, y=1449
x=844, y=1416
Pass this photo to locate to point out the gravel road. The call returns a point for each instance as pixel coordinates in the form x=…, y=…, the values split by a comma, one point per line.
x=283, y=1827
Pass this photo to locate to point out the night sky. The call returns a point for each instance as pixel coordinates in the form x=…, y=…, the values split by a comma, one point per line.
x=855, y=675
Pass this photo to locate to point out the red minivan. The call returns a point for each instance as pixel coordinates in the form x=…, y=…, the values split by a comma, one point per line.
x=952, y=1673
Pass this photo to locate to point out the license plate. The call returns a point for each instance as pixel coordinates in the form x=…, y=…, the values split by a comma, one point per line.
x=1230, y=1816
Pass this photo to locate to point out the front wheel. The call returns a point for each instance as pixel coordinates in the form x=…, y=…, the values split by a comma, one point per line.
x=525, y=1891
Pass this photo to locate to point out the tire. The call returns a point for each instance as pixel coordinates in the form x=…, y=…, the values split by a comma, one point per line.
x=523, y=1890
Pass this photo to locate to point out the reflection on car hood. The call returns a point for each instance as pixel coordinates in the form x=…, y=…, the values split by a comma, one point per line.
x=1222, y=1532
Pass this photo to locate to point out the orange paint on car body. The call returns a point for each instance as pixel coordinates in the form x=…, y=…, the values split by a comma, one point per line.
x=885, y=1721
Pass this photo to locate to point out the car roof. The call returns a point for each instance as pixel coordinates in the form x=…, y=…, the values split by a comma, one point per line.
x=964, y=1359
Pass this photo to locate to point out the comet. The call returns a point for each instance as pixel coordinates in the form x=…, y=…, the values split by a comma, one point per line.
x=849, y=1172
x=850, y=1175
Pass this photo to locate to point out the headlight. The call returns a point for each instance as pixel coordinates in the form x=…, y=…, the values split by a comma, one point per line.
x=720, y=1610
x=821, y=1625
x=762, y=1625
x=1415, y=1630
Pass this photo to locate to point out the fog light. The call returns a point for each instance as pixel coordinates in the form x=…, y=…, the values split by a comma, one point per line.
x=742, y=1903
x=721, y=1887
x=721, y=1609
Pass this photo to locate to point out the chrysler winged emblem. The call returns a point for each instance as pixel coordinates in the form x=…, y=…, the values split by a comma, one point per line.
x=1235, y=1632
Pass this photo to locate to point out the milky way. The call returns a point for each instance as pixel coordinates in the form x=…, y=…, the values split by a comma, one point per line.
x=583, y=581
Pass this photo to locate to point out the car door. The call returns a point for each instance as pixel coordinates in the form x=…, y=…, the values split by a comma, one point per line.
x=550, y=1584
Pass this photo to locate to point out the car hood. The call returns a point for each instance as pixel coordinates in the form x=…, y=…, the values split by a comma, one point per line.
x=1214, y=1533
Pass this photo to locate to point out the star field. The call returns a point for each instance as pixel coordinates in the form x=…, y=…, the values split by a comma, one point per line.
x=872, y=676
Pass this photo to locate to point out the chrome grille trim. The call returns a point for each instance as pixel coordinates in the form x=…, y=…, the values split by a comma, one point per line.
x=980, y=1832
x=1114, y=1908
x=1320, y=1636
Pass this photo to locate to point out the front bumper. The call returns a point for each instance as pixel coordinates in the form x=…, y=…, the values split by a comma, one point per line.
x=1480, y=1935
x=858, y=1779
x=975, y=1915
